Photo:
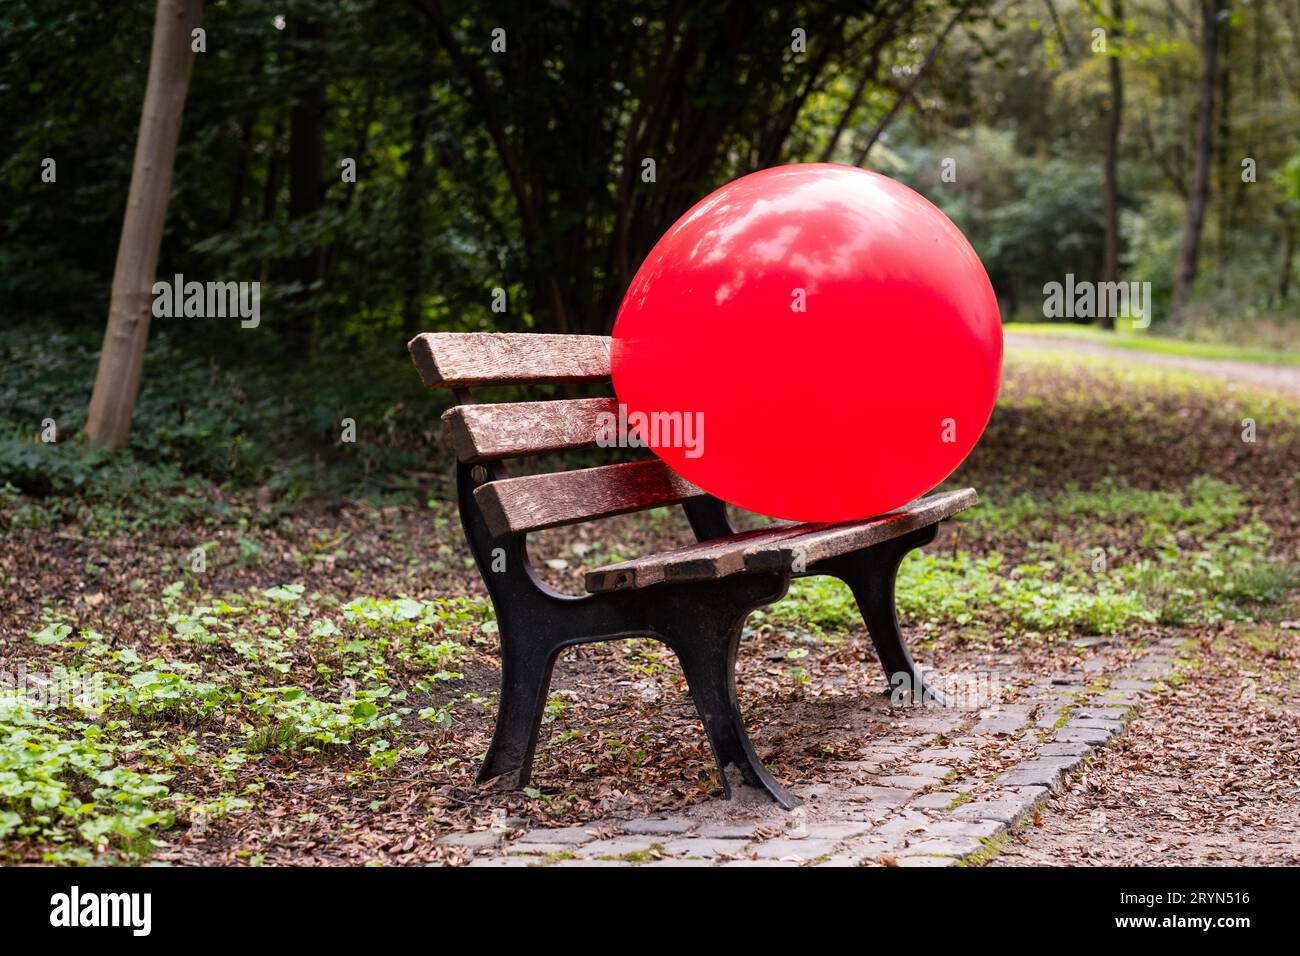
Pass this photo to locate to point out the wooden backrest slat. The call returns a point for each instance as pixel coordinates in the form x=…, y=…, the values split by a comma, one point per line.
x=488, y=432
x=469, y=359
x=535, y=502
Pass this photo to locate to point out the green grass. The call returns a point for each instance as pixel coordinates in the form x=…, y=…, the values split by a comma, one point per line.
x=1149, y=342
x=1096, y=561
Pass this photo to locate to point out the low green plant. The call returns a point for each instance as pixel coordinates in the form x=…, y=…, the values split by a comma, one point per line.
x=62, y=782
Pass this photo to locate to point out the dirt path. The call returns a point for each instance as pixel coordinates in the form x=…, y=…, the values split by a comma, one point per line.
x=1278, y=378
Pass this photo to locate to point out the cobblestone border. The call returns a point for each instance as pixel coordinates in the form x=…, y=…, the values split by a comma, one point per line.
x=926, y=816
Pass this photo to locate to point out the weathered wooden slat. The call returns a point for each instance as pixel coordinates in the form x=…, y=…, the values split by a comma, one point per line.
x=833, y=540
x=535, y=502
x=701, y=561
x=487, y=432
x=775, y=548
x=467, y=359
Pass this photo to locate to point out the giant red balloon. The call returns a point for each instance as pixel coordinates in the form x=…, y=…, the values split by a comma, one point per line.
x=830, y=335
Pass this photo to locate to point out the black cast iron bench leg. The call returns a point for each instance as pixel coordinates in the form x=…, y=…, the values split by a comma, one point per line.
x=871, y=574
x=526, y=665
x=706, y=637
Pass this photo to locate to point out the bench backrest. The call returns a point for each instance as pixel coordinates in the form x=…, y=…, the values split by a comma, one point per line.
x=483, y=434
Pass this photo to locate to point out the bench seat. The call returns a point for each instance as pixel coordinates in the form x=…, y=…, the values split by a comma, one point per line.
x=783, y=546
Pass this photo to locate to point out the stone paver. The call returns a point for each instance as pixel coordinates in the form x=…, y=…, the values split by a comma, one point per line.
x=1006, y=806
x=616, y=846
x=682, y=862
x=945, y=755
x=909, y=781
x=942, y=846
x=780, y=849
x=478, y=838
x=1063, y=749
x=1039, y=772
x=700, y=846
x=726, y=831
x=1102, y=713
x=889, y=797
x=974, y=829
x=830, y=831
x=538, y=849
x=910, y=861
x=561, y=835
x=937, y=800
x=1075, y=733
x=657, y=825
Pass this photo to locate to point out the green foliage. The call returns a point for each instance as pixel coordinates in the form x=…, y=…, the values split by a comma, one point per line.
x=1195, y=557
x=291, y=719
x=477, y=170
x=822, y=603
x=61, y=781
x=194, y=426
x=1205, y=507
x=100, y=771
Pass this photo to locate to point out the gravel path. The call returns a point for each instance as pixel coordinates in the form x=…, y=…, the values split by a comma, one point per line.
x=1278, y=378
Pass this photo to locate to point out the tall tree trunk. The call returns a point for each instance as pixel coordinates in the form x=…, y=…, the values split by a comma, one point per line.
x=1110, y=265
x=1288, y=254
x=117, y=382
x=306, y=162
x=413, y=198
x=1200, y=192
x=1221, y=162
x=239, y=183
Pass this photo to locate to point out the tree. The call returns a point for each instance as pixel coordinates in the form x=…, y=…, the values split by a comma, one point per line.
x=306, y=162
x=1197, y=202
x=117, y=381
x=1110, y=262
x=607, y=127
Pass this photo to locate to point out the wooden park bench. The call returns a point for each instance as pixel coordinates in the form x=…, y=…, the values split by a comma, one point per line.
x=694, y=599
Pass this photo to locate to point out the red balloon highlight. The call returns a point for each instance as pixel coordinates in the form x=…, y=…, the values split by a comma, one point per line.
x=810, y=342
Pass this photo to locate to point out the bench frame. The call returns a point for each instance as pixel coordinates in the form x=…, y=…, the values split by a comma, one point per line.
x=700, y=621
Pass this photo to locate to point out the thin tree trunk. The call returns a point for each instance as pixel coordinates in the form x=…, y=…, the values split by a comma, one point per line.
x=1060, y=30
x=306, y=162
x=1225, y=107
x=869, y=74
x=1110, y=265
x=413, y=196
x=117, y=381
x=307, y=134
x=1252, y=133
x=1189, y=256
x=911, y=86
x=1288, y=253
x=240, y=181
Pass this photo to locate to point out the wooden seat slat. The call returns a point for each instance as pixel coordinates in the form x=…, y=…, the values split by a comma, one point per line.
x=469, y=359
x=831, y=541
x=704, y=559
x=776, y=548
